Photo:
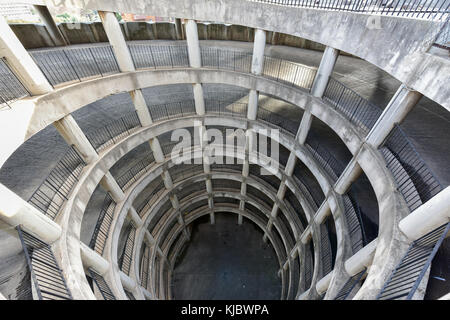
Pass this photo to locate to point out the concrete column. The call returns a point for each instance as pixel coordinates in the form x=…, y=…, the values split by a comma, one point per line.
x=305, y=125
x=16, y=211
x=52, y=28
x=109, y=183
x=193, y=44
x=350, y=174
x=252, y=111
x=92, y=259
x=397, y=109
x=324, y=72
x=199, y=99
x=20, y=61
x=117, y=41
x=128, y=283
x=158, y=153
x=258, y=52
x=323, y=284
x=362, y=259
x=141, y=107
x=429, y=216
x=135, y=217
x=290, y=165
x=179, y=29
x=72, y=133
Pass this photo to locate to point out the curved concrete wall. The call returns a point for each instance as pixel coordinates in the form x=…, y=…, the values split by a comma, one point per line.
x=398, y=47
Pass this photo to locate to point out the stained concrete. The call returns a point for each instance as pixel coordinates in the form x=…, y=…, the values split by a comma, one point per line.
x=426, y=124
x=217, y=266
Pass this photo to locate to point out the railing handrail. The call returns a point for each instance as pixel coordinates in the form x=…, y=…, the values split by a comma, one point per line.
x=435, y=11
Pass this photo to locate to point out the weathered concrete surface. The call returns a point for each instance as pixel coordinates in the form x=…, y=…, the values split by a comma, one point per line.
x=404, y=41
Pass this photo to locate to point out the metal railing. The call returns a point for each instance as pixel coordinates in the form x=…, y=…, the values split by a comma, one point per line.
x=114, y=131
x=285, y=124
x=287, y=72
x=101, y=285
x=226, y=107
x=47, y=279
x=325, y=158
x=325, y=250
x=11, y=89
x=75, y=64
x=145, y=265
x=420, y=9
x=127, y=253
x=309, y=266
x=405, y=279
x=354, y=223
x=443, y=39
x=158, y=56
x=147, y=202
x=312, y=197
x=172, y=110
x=349, y=285
x=101, y=231
x=415, y=180
x=355, y=108
x=135, y=172
x=129, y=295
x=54, y=190
x=226, y=59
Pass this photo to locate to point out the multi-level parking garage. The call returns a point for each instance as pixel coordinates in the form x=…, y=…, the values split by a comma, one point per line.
x=95, y=203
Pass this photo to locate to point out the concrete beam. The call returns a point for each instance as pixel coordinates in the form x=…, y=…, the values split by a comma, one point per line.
x=193, y=44
x=20, y=61
x=92, y=259
x=117, y=41
x=324, y=72
x=323, y=284
x=258, y=52
x=52, y=29
x=16, y=211
x=362, y=259
x=110, y=184
x=429, y=216
x=68, y=128
x=397, y=109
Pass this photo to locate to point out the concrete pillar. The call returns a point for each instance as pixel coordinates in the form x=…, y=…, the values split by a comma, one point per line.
x=199, y=99
x=212, y=218
x=240, y=219
x=72, y=133
x=252, y=111
x=20, y=61
x=52, y=28
x=193, y=44
x=305, y=125
x=258, y=52
x=429, y=216
x=362, y=259
x=141, y=107
x=16, y=211
x=179, y=29
x=117, y=41
x=109, y=183
x=323, y=284
x=135, y=218
x=290, y=165
x=397, y=109
x=128, y=283
x=351, y=172
x=158, y=153
x=326, y=66
x=92, y=259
